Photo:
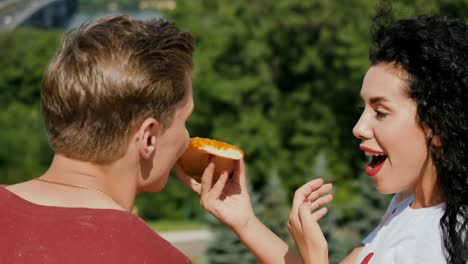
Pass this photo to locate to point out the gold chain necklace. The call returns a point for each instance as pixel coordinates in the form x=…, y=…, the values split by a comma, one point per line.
x=75, y=186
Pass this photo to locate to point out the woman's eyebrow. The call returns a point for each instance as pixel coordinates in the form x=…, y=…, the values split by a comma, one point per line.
x=374, y=100
x=378, y=99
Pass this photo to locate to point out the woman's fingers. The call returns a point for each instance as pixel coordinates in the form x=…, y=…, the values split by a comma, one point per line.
x=300, y=196
x=217, y=189
x=210, y=193
x=186, y=179
x=312, y=202
x=207, y=177
x=304, y=191
x=319, y=192
x=319, y=214
x=239, y=173
x=306, y=231
x=308, y=212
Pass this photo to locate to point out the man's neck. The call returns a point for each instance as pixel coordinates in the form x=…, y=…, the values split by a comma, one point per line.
x=116, y=179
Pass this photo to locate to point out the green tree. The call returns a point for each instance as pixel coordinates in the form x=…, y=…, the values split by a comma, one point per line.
x=175, y=202
x=24, y=151
x=24, y=54
x=226, y=247
x=345, y=226
x=272, y=82
x=281, y=79
x=275, y=207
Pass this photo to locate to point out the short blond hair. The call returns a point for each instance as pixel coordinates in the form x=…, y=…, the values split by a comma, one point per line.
x=107, y=77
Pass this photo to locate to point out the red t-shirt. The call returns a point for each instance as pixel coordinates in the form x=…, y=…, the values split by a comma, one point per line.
x=31, y=233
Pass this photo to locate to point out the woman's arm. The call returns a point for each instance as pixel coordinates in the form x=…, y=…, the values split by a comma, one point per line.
x=352, y=257
x=266, y=245
x=229, y=201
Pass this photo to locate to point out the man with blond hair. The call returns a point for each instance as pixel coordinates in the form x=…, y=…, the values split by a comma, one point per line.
x=115, y=100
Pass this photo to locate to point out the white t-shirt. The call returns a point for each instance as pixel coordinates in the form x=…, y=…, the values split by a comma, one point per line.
x=406, y=236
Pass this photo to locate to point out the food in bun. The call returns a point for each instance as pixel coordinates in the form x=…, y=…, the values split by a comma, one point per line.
x=196, y=158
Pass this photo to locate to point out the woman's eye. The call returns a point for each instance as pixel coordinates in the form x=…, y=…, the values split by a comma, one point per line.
x=379, y=114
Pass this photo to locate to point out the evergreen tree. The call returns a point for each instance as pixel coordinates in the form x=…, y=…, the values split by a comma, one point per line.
x=365, y=214
x=345, y=226
x=226, y=247
x=328, y=224
x=275, y=207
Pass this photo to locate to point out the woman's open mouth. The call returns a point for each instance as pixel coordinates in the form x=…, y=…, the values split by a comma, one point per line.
x=375, y=164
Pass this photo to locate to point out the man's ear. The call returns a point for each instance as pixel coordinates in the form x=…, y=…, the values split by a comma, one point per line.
x=146, y=138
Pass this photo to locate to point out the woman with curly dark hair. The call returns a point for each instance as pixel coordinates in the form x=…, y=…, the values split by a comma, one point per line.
x=414, y=126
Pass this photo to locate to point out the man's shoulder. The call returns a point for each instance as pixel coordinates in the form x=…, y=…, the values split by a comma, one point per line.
x=131, y=237
x=110, y=235
x=130, y=227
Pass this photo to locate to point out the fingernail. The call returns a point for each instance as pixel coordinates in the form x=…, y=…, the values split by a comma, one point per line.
x=224, y=171
x=306, y=200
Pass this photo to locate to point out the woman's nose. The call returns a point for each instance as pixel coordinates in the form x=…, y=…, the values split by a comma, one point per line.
x=362, y=129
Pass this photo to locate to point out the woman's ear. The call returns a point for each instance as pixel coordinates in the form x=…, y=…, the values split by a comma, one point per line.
x=147, y=137
x=433, y=139
x=436, y=141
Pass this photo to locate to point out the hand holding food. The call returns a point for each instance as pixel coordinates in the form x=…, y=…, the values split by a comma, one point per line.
x=223, y=188
x=197, y=156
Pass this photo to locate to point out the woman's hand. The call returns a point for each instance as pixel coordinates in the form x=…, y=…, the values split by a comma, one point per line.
x=303, y=221
x=228, y=199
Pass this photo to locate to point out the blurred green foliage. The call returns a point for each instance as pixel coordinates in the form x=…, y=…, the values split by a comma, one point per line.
x=270, y=206
x=24, y=151
x=93, y=6
x=280, y=79
x=24, y=54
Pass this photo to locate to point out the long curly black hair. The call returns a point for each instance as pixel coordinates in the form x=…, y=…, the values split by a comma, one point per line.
x=433, y=51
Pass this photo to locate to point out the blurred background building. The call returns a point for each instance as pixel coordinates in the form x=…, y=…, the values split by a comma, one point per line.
x=36, y=13
x=65, y=14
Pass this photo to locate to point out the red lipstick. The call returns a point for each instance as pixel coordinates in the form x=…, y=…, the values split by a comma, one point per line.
x=377, y=161
x=372, y=171
x=367, y=149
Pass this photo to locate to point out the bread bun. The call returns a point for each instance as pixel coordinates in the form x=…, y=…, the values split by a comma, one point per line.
x=196, y=158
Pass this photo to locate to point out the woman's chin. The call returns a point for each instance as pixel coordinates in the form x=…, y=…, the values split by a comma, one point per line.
x=383, y=189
